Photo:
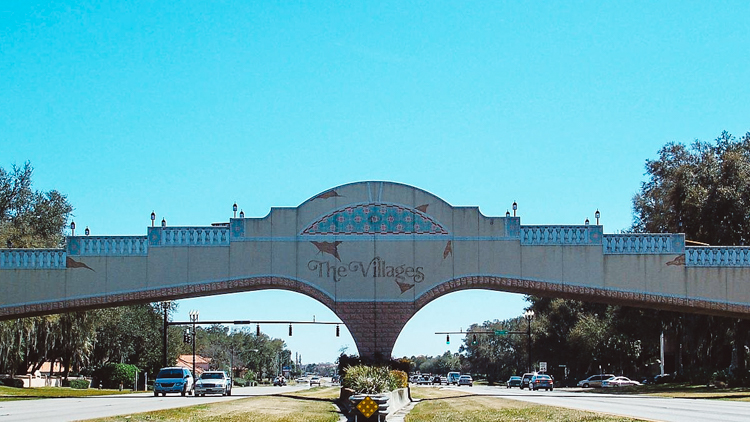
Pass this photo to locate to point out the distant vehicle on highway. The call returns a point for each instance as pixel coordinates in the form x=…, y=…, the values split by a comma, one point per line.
x=280, y=381
x=213, y=382
x=465, y=380
x=594, y=380
x=540, y=381
x=315, y=380
x=514, y=381
x=526, y=378
x=619, y=382
x=453, y=377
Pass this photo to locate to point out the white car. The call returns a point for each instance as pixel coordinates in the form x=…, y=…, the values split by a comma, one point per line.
x=315, y=380
x=465, y=380
x=213, y=382
x=619, y=382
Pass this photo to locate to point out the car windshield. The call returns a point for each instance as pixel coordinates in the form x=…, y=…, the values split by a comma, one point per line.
x=212, y=376
x=170, y=373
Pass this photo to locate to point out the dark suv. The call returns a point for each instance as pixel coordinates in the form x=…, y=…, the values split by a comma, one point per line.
x=525, y=379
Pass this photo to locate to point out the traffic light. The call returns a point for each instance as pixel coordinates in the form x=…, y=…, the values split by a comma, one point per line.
x=257, y=330
x=474, y=339
x=447, y=339
x=290, y=330
x=337, y=331
x=186, y=336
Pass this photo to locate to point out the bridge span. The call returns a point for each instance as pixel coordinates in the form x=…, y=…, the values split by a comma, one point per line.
x=375, y=253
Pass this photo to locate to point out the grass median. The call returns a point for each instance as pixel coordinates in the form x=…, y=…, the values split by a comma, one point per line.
x=12, y=393
x=440, y=405
x=313, y=405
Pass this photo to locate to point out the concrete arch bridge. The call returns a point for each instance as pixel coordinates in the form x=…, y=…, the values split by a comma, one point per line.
x=375, y=253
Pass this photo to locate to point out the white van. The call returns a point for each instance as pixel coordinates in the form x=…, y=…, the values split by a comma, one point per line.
x=453, y=377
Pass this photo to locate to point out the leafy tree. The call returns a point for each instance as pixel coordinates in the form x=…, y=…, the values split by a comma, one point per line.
x=702, y=191
x=29, y=219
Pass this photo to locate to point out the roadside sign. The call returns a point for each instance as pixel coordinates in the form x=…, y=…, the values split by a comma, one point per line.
x=542, y=366
x=367, y=407
x=501, y=332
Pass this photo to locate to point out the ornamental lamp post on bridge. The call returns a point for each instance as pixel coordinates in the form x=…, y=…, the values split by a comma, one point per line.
x=529, y=315
x=193, y=319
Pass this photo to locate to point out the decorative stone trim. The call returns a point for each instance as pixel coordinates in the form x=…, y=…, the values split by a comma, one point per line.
x=593, y=294
x=717, y=256
x=32, y=259
x=375, y=218
x=561, y=235
x=168, y=293
x=188, y=236
x=107, y=246
x=643, y=243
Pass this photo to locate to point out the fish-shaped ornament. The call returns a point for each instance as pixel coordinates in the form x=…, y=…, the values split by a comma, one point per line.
x=331, y=248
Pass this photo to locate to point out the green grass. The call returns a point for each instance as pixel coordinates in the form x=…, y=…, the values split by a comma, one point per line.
x=12, y=393
x=314, y=405
x=449, y=405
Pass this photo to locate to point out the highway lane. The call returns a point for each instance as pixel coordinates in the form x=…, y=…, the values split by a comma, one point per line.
x=73, y=409
x=635, y=406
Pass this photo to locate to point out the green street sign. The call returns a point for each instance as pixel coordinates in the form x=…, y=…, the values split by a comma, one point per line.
x=501, y=332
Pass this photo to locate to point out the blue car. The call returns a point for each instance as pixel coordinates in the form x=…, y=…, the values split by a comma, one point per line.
x=174, y=380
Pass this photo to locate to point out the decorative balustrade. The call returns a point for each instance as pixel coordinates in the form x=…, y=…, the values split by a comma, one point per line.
x=717, y=256
x=107, y=245
x=32, y=259
x=646, y=243
x=561, y=235
x=188, y=236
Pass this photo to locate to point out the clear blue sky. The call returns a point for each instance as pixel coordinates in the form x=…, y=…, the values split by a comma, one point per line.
x=187, y=107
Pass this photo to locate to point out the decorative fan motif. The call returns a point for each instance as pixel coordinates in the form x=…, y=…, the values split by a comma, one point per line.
x=375, y=218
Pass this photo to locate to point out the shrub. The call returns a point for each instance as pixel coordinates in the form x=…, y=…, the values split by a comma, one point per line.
x=80, y=384
x=112, y=374
x=402, y=378
x=371, y=379
x=11, y=382
x=732, y=378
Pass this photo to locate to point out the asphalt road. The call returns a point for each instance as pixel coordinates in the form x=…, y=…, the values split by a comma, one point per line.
x=73, y=409
x=635, y=406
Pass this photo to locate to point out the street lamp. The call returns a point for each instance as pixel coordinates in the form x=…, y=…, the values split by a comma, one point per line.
x=597, y=214
x=87, y=231
x=73, y=228
x=529, y=315
x=234, y=209
x=193, y=319
x=515, y=207
x=153, y=217
x=165, y=306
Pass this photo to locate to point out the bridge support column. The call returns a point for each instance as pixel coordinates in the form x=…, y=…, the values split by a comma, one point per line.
x=375, y=326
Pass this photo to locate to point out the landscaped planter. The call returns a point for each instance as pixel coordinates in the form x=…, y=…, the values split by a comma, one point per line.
x=388, y=404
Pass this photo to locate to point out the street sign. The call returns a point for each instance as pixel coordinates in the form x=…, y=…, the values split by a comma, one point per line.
x=501, y=332
x=542, y=366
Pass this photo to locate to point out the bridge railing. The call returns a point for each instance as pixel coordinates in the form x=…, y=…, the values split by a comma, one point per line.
x=717, y=256
x=643, y=243
x=561, y=235
x=13, y=259
x=188, y=236
x=107, y=245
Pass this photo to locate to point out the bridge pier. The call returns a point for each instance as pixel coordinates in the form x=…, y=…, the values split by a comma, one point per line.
x=375, y=326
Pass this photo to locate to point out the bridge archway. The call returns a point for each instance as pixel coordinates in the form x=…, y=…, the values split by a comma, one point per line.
x=375, y=253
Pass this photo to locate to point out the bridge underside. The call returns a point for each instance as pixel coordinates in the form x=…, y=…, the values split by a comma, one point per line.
x=375, y=326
